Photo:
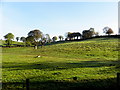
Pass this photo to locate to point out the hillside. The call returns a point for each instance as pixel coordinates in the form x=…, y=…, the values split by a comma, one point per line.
x=3, y=43
x=94, y=62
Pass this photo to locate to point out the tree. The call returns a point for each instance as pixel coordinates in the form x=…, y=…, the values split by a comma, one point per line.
x=88, y=33
x=9, y=38
x=47, y=38
x=69, y=35
x=76, y=34
x=17, y=38
x=36, y=35
x=96, y=33
x=110, y=31
x=72, y=35
x=23, y=39
x=29, y=40
x=107, y=30
x=61, y=37
x=54, y=38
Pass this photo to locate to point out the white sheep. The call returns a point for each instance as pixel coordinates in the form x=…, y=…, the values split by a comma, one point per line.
x=38, y=56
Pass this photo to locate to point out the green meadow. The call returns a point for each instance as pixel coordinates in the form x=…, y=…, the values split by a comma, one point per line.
x=93, y=62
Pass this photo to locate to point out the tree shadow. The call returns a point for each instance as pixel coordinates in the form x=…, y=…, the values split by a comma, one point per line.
x=76, y=85
x=44, y=83
x=105, y=84
x=58, y=65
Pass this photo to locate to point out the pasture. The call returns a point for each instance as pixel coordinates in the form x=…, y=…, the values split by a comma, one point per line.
x=94, y=62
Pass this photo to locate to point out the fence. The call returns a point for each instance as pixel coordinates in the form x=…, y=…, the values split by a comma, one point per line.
x=118, y=82
x=27, y=84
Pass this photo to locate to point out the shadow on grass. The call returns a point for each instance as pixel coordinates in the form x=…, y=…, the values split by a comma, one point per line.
x=105, y=84
x=40, y=83
x=58, y=66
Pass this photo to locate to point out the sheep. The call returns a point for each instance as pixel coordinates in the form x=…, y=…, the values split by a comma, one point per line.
x=37, y=56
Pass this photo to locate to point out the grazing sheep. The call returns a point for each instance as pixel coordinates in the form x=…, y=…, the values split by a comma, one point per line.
x=38, y=56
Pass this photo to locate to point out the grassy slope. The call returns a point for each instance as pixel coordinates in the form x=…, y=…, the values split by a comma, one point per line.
x=2, y=42
x=90, y=61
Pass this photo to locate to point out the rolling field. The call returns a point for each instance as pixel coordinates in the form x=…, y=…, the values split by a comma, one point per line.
x=93, y=62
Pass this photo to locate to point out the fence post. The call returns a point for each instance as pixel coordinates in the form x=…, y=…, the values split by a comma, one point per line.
x=118, y=80
x=27, y=84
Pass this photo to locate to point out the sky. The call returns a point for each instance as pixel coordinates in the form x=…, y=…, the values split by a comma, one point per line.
x=57, y=18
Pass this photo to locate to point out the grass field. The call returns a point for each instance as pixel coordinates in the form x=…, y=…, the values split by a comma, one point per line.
x=94, y=62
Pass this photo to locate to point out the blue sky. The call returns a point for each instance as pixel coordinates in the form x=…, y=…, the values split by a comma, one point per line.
x=57, y=18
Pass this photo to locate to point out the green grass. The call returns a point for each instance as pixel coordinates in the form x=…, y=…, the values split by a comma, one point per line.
x=94, y=63
x=3, y=43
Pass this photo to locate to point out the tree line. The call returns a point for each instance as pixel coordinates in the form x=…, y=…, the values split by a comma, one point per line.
x=36, y=37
